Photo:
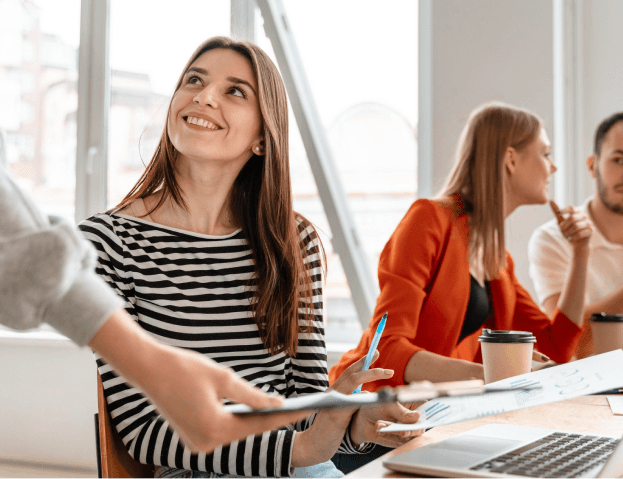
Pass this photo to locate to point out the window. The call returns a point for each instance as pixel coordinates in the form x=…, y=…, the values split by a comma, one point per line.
x=39, y=98
x=146, y=59
x=363, y=74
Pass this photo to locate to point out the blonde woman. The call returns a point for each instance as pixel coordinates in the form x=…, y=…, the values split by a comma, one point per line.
x=445, y=272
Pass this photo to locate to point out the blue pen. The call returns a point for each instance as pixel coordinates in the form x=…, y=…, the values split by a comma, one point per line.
x=373, y=346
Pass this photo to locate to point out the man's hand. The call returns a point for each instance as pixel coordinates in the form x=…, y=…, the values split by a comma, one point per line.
x=186, y=387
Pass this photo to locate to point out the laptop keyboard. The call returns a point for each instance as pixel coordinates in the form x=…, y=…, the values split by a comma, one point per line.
x=556, y=455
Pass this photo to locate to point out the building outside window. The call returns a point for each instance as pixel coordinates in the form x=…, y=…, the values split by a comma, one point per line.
x=38, y=94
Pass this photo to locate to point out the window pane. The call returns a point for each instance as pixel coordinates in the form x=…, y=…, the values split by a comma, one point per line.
x=38, y=94
x=146, y=59
x=362, y=71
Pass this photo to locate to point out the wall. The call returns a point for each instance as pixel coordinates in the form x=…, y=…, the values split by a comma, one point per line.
x=48, y=399
x=602, y=67
x=485, y=50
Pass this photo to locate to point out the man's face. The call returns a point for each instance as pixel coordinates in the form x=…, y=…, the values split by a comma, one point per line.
x=608, y=169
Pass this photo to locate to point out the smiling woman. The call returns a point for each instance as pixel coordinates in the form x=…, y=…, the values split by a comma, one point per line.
x=209, y=255
x=215, y=113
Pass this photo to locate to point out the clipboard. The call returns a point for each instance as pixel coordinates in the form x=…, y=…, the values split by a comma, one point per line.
x=414, y=392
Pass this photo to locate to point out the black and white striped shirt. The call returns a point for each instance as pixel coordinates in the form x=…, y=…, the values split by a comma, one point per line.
x=191, y=290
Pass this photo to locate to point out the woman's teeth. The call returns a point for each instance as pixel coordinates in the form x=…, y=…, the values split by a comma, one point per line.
x=201, y=122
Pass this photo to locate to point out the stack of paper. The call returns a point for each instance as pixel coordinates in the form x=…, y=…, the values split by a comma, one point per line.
x=591, y=375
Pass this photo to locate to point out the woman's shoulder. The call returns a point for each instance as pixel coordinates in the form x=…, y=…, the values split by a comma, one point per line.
x=97, y=221
x=136, y=209
x=305, y=228
x=442, y=210
x=105, y=226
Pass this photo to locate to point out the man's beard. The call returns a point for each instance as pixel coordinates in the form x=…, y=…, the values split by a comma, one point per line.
x=603, y=195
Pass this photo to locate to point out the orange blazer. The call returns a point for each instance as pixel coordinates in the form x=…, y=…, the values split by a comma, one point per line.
x=425, y=285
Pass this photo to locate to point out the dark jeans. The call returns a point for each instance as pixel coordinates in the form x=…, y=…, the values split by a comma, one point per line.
x=349, y=462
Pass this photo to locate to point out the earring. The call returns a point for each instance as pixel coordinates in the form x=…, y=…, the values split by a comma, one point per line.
x=257, y=149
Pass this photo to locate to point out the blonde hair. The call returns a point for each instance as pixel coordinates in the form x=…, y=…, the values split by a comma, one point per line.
x=478, y=174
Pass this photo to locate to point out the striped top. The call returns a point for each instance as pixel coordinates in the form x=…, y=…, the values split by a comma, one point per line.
x=191, y=290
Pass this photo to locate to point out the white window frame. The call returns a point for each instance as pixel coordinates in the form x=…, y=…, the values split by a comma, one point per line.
x=570, y=182
x=93, y=108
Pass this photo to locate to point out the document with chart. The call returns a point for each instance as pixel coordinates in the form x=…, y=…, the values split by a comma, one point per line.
x=591, y=375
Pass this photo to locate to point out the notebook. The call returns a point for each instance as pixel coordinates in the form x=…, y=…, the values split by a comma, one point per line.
x=504, y=450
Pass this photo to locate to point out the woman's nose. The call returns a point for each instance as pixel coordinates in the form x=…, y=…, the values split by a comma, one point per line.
x=206, y=97
x=552, y=168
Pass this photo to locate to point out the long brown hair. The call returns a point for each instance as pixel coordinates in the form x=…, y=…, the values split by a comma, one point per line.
x=478, y=174
x=261, y=200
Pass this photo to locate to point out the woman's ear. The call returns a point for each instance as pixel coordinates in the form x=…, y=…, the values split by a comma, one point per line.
x=510, y=160
x=259, y=148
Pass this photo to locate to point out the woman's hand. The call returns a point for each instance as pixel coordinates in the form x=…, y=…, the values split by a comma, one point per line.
x=575, y=226
x=353, y=376
x=366, y=423
x=577, y=229
x=320, y=442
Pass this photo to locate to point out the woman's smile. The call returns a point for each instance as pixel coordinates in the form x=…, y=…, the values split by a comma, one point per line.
x=206, y=124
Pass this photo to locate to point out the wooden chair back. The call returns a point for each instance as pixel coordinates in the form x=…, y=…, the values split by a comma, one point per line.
x=114, y=458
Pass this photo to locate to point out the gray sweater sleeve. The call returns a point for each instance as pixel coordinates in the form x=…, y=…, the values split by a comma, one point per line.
x=47, y=271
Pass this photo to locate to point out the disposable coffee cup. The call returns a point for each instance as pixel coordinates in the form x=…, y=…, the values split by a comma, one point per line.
x=607, y=332
x=506, y=353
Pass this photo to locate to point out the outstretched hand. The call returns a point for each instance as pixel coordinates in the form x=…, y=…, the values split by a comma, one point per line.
x=187, y=387
x=221, y=427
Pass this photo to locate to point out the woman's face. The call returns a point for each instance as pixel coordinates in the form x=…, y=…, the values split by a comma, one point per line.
x=215, y=114
x=530, y=171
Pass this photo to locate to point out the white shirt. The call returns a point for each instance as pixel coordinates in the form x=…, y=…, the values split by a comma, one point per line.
x=550, y=257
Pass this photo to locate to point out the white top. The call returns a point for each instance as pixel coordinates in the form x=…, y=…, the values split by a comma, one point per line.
x=550, y=257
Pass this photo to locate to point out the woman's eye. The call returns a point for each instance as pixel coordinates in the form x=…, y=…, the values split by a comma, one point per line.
x=237, y=92
x=619, y=160
x=194, y=80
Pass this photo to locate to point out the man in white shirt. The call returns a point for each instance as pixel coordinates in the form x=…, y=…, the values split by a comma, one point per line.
x=549, y=252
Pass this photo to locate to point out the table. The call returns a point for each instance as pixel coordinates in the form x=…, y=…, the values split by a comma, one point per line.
x=583, y=414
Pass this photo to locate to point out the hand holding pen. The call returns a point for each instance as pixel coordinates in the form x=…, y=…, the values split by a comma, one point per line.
x=373, y=346
x=359, y=373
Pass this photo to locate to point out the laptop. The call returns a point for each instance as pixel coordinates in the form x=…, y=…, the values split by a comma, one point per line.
x=505, y=450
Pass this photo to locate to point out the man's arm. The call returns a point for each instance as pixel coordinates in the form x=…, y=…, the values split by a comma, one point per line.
x=46, y=274
x=187, y=387
x=610, y=304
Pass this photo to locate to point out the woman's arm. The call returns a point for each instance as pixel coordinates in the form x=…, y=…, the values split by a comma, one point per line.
x=576, y=228
x=558, y=336
x=329, y=432
x=406, y=269
x=428, y=366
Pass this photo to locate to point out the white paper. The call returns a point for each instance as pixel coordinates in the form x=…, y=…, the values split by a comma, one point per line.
x=577, y=378
x=616, y=404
